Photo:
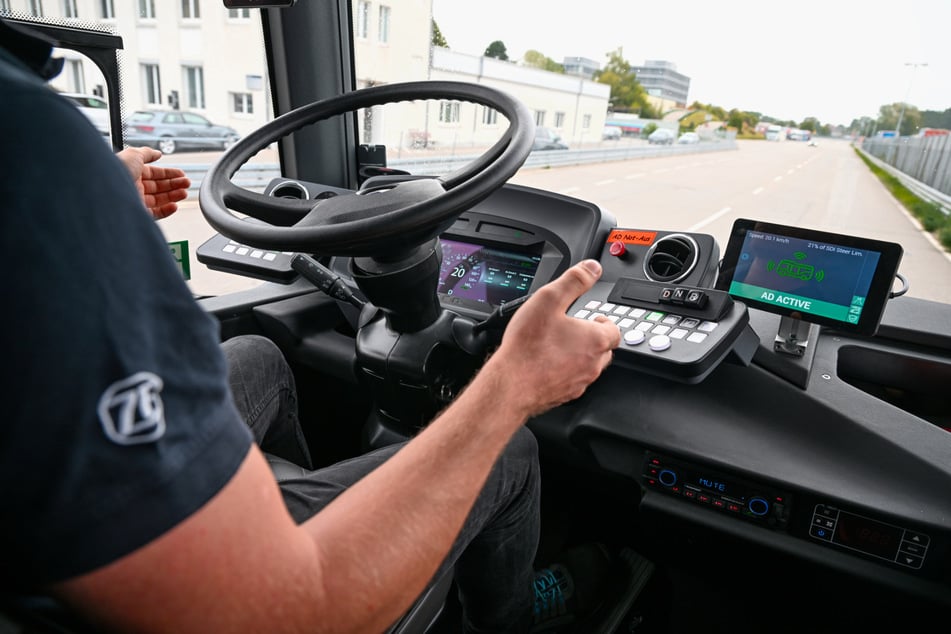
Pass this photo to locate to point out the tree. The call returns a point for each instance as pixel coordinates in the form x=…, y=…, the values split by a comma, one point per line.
x=438, y=39
x=536, y=59
x=497, y=50
x=888, y=116
x=627, y=95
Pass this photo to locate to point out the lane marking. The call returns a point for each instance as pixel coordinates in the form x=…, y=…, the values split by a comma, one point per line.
x=710, y=219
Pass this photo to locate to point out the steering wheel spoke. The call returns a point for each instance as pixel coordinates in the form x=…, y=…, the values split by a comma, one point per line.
x=283, y=212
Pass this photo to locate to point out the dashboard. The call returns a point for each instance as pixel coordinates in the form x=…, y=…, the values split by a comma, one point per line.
x=836, y=456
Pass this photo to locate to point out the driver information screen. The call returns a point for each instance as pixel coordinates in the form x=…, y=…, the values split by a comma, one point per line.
x=486, y=275
x=813, y=278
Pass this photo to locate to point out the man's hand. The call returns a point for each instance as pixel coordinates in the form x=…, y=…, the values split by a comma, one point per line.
x=160, y=187
x=547, y=357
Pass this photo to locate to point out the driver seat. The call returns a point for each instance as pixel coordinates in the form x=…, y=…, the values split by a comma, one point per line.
x=424, y=613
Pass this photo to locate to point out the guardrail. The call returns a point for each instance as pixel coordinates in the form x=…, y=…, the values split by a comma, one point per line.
x=920, y=189
x=256, y=176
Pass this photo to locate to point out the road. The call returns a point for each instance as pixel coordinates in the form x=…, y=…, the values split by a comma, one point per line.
x=826, y=187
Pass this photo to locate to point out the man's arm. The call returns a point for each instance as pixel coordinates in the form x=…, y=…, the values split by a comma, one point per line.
x=240, y=564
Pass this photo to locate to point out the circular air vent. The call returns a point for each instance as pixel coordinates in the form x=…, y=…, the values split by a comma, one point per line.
x=290, y=189
x=671, y=259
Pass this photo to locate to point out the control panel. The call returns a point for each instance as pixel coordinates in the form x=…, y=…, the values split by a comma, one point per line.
x=858, y=533
x=680, y=333
x=718, y=491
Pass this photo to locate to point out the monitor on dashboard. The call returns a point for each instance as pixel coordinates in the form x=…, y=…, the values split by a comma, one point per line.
x=820, y=277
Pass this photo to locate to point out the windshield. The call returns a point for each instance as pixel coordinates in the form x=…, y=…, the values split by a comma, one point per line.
x=676, y=118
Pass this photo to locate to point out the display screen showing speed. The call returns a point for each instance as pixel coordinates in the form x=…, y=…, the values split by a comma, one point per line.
x=484, y=274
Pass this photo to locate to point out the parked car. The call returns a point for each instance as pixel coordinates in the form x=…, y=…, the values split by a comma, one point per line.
x=689, y=138
x=548, y=139
x=95, y=108
x=172, y=130
x=661, y=136
x=611, y=132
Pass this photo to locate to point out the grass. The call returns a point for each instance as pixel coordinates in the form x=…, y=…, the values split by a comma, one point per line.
x=929, y=214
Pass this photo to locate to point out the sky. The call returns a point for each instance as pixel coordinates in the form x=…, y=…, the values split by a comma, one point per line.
x=835, y=60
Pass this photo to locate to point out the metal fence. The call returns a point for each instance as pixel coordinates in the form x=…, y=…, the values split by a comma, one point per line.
x=921, y=164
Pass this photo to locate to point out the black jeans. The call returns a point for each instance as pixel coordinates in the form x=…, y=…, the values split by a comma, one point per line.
x=493, y=555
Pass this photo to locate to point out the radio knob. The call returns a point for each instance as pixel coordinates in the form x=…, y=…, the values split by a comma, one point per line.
x=758, y=506
x=667, y=477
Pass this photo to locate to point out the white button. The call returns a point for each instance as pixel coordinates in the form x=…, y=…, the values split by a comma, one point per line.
x=677, y=333
x=621, y=310
x=637, y=312
x=243, y=251
x=613, y=318
x=659, y=343
x=661, y=330
x=671, y=320
x=581, y=314
x=627, y=322
x=690, y=322
x=707, y=326
x=257, y=253
x=270, y=257
x=229, y=248
x=696, y=337
x=592, y=304
x=607, y=308
x=633, y=337
x=644, y=326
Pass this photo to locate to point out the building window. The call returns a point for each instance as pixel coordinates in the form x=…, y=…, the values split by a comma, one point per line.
x=190, y=9
x=539, y=117
x=559, y=119
x=384, y=34
x=36, y=8
x=449, y=112
x=242, y=103
x=194, y=86
x=151, y=84
x=490, y=116
x=586, y=121
x=239, y=14
x=107, y=9
x=74, y=75
x=363, y=19
x=69, y=9
x=147, y=9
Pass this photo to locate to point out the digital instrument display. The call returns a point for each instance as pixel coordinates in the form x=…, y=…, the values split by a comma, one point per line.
x=483, y=277
x=826, y=278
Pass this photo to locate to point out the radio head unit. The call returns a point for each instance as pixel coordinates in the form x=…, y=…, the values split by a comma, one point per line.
x=815, y=276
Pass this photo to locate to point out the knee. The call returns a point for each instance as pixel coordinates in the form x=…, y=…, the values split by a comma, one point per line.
x=521, y=454
x=261, y=350
x=523, y=447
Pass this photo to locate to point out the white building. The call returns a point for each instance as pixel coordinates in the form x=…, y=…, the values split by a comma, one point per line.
x=210, y=60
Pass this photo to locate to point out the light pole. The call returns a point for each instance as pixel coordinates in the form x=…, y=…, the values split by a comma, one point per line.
x=901, y=113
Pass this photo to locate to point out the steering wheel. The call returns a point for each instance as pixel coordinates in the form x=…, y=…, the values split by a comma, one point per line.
x=376, y=220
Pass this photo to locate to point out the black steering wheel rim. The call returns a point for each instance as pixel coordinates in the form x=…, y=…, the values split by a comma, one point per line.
x=366, y=226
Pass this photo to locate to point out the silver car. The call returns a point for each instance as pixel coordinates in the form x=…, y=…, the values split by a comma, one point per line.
x=171, y=131
x=95, y=108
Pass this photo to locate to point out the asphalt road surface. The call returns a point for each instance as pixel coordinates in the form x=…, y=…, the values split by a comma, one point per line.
x=826, y=187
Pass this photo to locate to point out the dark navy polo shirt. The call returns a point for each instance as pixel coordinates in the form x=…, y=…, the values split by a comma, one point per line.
x=116, y=420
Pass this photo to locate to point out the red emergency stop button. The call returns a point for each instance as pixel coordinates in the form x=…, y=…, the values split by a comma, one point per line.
x=617, y=248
